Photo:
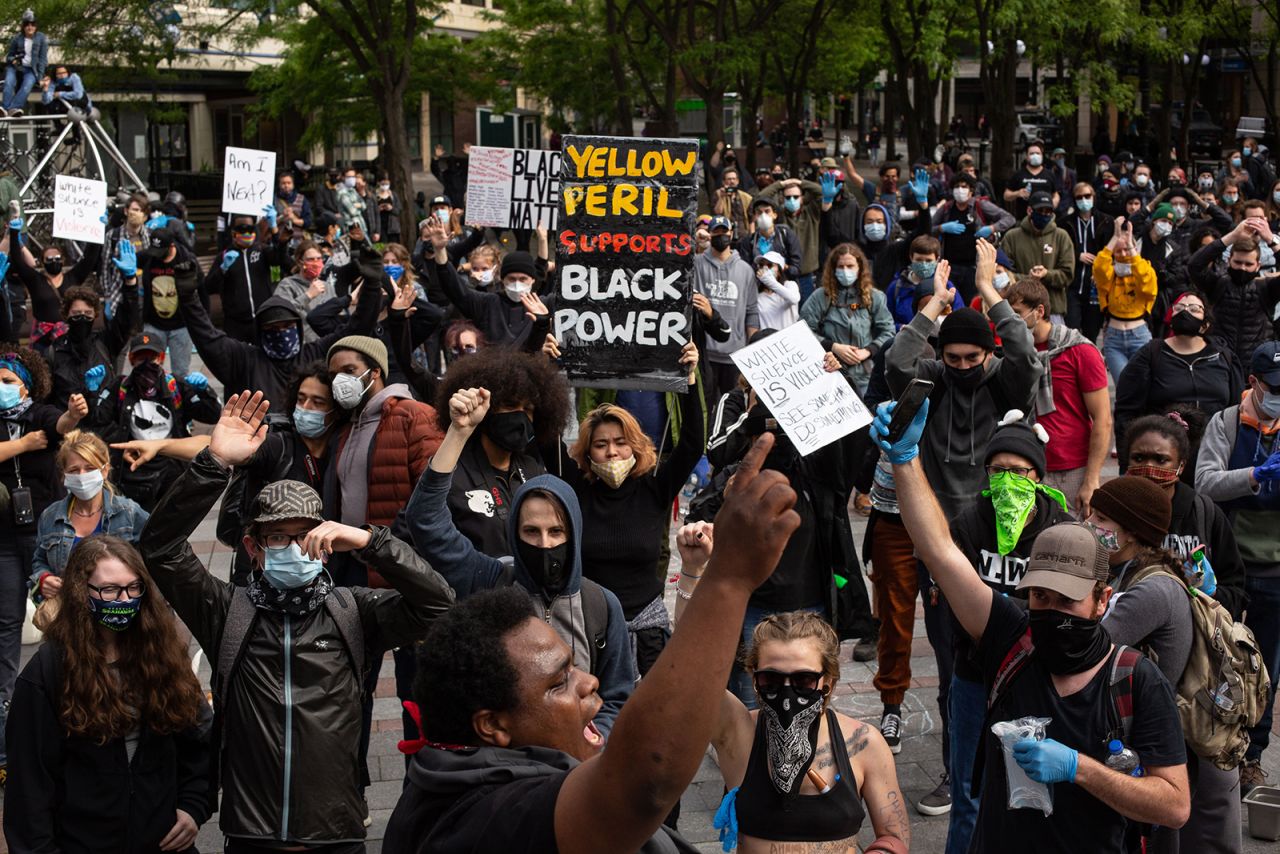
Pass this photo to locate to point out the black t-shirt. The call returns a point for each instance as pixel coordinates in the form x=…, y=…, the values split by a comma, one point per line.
x=1080, y=822
x=798, y=581
x=1035, y=183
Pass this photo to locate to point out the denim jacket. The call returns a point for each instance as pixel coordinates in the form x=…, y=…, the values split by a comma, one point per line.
x=55, y=534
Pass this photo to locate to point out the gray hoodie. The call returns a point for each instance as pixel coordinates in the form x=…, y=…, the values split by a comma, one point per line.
x=731, y=287
x=954, y=445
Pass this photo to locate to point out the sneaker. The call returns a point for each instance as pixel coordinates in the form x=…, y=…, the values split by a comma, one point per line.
x=4, y=114
x=891, y=729
x=1251, y=776
x=15, y=113
x=937, y=802
x=865, y=649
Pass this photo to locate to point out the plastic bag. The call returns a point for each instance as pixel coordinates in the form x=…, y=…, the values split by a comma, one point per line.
x=1024, y=793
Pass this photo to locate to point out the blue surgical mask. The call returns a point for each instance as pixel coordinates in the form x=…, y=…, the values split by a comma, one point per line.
x=1275, y=197
x=1041, y=220
x=309, y=422
x=1084, y=205
x=349, y=183
x=288, y=568
x=1246, y=151
x=1269, y=405
x=115, y=615
x=875, y=230
x=395, y=271
x=1236, y=161
x=846, y=276
x=791, y=203
x=923, y=269
x=10, y=395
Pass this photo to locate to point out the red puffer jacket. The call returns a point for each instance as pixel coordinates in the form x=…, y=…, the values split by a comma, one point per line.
x=406, y=438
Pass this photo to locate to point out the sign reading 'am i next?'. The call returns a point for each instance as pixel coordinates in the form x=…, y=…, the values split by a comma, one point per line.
x=624, y=253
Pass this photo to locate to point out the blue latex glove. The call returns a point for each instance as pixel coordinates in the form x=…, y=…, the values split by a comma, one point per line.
x=158, y=220
x=16, y=223
x=952, y=227
x=127, y=263
x=269, y=211
x=228, y=258
x=4, y=264
x=1046, y=761
x=984, y=232
x=907, y=448
x=726, y=821
x=94, y=376
x=105, y=213
x=195, y=379
x=920, y=186
x=1268, y=472
x=829, y=190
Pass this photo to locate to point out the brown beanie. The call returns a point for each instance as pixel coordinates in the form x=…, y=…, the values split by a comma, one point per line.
x=1137, y=505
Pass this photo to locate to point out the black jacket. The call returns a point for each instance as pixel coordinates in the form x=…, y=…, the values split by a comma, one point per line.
x=69, y=360
x=503, y=322
x=318, y=757
x=784, y=241
x=1087, y=235
x=246, y=285
x=1157, y=378
x=1197, y=520
x=1242, y=315
x=71, y=795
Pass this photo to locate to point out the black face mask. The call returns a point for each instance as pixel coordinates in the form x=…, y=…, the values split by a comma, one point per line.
x=1186, y=323
x=1240, y=278
x=965, y=379
x=146, y=378
x=720, y=242
x=1066, y=643
x=792, y=719
x=79, y=329
x=511, y=431
x=549, y=568
x=53, y=266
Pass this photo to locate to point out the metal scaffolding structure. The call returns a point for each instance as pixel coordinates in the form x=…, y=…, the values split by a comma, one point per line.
x=33, y=149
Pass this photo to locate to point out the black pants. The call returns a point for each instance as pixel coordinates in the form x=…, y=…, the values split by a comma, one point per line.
x=938, y=626
x=1083, y=315
x=963, y=277
x=234, y=845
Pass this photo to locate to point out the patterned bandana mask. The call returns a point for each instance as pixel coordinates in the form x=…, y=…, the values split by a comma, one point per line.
x=792, y=718
x=116, y=615
x=297, y=602
x=1013, y=497
x=614, y=472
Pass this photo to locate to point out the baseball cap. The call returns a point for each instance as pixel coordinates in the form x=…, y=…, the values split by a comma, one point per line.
x=287, y=499
x=1066, y=559
x=1040, y=199
x=440, y=200
x=1265, y=363
x=1057, y=151
x=150, y=341
x=720, y=222
x=772, y=258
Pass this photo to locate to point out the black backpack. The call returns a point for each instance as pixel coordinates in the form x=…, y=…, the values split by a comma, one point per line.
x=595, y=610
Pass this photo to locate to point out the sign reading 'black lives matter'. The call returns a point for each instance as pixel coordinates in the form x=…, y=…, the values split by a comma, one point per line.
x=625, y=258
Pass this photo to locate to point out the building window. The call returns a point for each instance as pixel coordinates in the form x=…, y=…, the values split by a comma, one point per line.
x=442, y=124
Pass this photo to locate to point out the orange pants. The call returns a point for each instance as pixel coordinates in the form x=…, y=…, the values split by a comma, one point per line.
x=895, y=585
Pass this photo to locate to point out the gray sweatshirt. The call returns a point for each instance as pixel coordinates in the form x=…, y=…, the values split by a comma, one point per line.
x=353, y=465
x=731, y=287
x=954, y=445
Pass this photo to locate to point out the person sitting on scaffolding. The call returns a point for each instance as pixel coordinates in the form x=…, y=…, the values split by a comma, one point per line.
x=65, y=93
x=24, y=65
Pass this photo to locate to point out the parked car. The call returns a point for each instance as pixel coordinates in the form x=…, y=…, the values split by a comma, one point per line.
x=1036, y=125
x=1204, y=137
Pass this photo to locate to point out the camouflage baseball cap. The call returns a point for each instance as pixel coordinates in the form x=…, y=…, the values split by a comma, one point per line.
x=287, y=499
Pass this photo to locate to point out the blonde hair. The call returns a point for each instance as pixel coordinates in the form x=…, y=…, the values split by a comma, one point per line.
x=641, y=445
x=486, y=250
x=89, y=447
x=797, y=626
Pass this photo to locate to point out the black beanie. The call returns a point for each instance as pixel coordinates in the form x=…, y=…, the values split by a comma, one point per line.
x=518, y=262
x=1138, y=505
x=1017, y=438
x=966, y=326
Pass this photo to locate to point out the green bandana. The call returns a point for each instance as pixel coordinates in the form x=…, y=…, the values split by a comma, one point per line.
x=1013, y=497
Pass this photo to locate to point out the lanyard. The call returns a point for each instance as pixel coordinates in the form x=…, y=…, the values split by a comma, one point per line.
x=313, y=471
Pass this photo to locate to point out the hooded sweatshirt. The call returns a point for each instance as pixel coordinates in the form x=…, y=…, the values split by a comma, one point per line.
x=468, y=570
x=730, y=286
x=1052, y=249
x=490, y=799
x=961, y=422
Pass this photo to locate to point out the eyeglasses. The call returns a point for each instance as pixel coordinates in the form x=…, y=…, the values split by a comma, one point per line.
x=1180, y=307
x=769, y=681
x=244, y=229
x=280, y=542
x=112, y=592
x=797, y=198
x=1088, y=196
x=1020, y=471
x=48, y=258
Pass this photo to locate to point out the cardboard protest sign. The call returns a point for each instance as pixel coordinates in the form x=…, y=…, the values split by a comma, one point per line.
x=624, y=253
x=512, y=187
x=248, y=180
x=78, y=206
x=813, y=407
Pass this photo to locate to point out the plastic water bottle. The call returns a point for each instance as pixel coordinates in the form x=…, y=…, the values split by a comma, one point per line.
x=1123, y=759
x=1208, y=581
x=690, y=486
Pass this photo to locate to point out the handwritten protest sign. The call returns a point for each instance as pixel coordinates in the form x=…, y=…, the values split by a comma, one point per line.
x=625, y=256
x=248, y=180
x=78, y=206
x=512, y=187
x=814, y=407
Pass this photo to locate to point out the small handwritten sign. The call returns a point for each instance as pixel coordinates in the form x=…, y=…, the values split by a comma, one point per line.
x=248, y=180
x=513, y=187
x=814, y=407
x=78, y=206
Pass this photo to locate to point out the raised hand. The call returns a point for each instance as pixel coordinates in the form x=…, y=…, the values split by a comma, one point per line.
x=36, y=440
x=534, y=307
x=920, y=186
x=755, y=522
x=240, y=429
x=468, y=407
x=689, y=358
x=406, y=293
x=942, y=271
x=907, y=448
x=127, y=263
x=828, y=182
x=77, y=407
x=94, y=376
x=695, y=543
x=328, y=538
x=228, y=258
x=551, y=347
x=269, y=211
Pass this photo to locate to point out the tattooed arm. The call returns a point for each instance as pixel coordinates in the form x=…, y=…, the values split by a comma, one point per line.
x=873, y=764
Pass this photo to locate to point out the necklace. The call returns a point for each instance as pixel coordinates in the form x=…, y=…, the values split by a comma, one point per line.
x=77, y=512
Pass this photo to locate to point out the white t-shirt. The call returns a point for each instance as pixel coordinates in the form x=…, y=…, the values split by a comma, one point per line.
x=26, y=52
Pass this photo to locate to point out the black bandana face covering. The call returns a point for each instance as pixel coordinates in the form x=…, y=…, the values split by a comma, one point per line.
x=1067, y=643
x=792, y=718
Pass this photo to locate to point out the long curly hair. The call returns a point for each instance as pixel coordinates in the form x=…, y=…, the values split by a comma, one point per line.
x=865, y=283
x=41, y=382
x=153, y=680
x=513, y=379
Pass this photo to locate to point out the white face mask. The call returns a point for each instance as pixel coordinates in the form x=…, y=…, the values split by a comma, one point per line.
x=485, y=277
x=349, y=388
x=515, y=290
x=1164, y=228
x=349, y=183
x=960, y=194
x=764, y=222
x=1141, y=180
x=84, y=486
x=1035, y=159
x=1000, y=281
x=1122, y=269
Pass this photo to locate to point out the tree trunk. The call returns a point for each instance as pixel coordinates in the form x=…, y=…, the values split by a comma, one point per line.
x=623, y=110
x=714, y=100
x=390, y=93
x=889, y=120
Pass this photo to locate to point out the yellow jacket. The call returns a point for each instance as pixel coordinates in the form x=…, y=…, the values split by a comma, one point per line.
x=1124, y=297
